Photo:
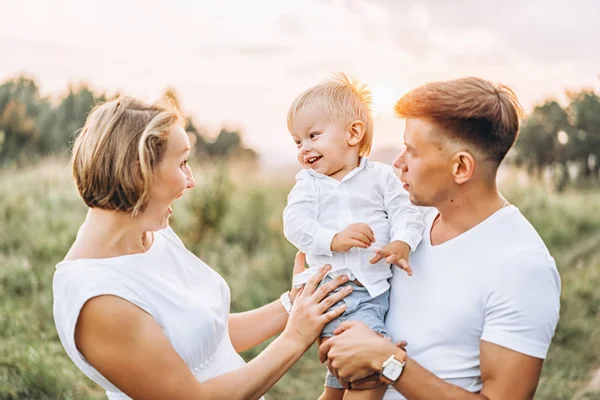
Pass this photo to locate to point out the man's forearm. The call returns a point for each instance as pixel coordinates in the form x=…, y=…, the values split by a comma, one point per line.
x=418, y=383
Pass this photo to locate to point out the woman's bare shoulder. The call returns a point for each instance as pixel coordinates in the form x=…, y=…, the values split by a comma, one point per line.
x=85, y=249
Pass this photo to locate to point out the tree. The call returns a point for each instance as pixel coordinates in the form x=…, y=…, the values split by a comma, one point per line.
x=19, y=108
x=585, y=144
x=538, y=146
x=226, y=143
x=59, y=126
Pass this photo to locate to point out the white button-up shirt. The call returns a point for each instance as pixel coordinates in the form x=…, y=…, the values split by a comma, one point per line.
x=320, y=206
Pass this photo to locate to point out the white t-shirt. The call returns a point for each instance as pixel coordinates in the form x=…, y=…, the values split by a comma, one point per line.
x=320, y=206
x=185, y=296
x=496, y=282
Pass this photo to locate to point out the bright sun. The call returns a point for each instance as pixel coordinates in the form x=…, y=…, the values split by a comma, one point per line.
x=384, y=99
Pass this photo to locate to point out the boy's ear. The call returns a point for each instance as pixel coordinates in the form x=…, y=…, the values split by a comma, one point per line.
x=356, y=132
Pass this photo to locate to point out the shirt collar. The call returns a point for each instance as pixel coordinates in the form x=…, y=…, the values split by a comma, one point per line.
x=362, y=164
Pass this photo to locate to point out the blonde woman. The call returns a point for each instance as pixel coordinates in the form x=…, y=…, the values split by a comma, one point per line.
x=136, y=311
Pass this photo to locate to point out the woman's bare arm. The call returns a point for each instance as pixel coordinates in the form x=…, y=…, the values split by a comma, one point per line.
x=128, y=347
x=251, y=328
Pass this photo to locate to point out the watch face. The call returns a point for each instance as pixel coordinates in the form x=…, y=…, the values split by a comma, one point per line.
x=393, y=370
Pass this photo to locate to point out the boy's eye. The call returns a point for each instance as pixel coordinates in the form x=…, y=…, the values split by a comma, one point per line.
x=313, y=135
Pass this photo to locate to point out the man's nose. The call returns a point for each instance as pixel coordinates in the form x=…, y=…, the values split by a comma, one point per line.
x=399, y=162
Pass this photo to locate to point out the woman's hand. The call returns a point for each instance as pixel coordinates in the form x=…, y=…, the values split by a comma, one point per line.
x=309, y=312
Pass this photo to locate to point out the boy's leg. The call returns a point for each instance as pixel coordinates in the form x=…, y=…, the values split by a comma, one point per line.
x=370, y=311
x=331, y=393
x=370, y=394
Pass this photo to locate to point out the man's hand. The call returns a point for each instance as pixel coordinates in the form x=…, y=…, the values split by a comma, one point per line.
x=355, y=235
x=373, y=380
x=396, y=253
x=355, y=352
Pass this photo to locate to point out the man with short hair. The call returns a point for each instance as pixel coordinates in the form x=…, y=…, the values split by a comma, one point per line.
x=482, y=305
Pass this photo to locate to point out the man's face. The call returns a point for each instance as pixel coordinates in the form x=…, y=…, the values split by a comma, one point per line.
x=425, y=163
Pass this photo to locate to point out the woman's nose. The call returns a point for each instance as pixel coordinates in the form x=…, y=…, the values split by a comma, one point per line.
x=191, y=182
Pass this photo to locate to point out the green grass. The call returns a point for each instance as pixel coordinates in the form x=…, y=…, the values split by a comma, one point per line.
x=232, y=220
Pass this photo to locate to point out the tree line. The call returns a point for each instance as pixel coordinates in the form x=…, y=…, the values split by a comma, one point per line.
x=555, y=141
x=562, y=142
x=32, y=125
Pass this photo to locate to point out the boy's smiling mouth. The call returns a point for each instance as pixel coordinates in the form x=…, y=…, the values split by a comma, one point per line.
x=312, y=160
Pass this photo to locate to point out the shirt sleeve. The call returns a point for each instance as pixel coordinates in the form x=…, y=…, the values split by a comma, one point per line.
x=300, y=224
x=406, y=220
x=523, y=303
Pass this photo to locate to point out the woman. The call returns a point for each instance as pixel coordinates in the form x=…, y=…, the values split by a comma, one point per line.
x=135, y=310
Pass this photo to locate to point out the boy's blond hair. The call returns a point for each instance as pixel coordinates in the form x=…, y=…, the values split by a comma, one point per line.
x=345, y=99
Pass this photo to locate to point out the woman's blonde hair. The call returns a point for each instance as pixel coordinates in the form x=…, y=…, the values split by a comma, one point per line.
x=345, y=99
x=118, y=150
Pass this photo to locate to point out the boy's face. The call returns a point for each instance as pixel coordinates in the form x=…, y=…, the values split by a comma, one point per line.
x=323, y=144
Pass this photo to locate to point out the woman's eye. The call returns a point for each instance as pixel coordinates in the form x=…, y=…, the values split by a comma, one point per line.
x=183, y=164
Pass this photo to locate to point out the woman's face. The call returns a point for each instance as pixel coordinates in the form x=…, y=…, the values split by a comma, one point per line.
x=172, y=177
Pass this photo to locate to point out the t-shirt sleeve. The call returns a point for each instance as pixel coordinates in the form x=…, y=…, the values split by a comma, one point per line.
x=523, y=303
x=73, y=286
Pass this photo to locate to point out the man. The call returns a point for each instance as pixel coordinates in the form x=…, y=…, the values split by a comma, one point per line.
x=482, y=305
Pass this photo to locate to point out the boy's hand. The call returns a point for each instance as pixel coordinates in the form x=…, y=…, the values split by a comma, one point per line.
x=355, y=235
x=394, y=253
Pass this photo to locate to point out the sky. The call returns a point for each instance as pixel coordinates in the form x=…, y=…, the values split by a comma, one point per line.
x=241, y=63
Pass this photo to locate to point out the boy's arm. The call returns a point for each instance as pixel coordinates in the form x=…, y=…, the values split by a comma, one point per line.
x=406, y=220
x=300, y=225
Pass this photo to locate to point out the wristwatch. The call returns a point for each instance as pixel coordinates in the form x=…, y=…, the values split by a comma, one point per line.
x=286, y=301
x=392, y=368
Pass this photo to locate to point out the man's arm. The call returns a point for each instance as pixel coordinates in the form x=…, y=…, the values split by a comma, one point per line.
x=358, y=352
x=506, y=374
x=520, y=318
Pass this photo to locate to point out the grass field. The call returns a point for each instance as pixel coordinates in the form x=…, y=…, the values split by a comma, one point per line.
x=232, y=220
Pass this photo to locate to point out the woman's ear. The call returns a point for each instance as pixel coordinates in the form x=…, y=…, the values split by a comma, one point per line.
x=463, y=166
x=356, y=132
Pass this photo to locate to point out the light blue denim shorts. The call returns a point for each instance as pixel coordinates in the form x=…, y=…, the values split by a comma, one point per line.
x=359, y=307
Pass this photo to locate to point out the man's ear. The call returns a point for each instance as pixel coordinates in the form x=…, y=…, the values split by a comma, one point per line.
x=463, y=166
x=356, y=133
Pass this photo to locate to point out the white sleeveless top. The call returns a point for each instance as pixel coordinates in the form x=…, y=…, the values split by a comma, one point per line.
x=185, y=296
